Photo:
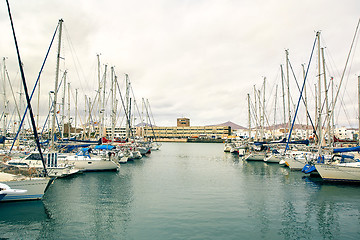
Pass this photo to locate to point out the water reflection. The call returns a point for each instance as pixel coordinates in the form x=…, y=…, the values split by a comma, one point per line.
x=22, y=212
x=16, y=216
x=308, y=208
x=96, y=204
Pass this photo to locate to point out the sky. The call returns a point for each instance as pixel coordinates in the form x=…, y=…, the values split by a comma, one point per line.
x=190, y=58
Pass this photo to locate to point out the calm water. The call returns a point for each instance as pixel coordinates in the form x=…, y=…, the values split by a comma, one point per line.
x=188, y=191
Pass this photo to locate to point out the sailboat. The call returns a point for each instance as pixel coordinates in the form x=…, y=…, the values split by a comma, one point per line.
x=31, y=186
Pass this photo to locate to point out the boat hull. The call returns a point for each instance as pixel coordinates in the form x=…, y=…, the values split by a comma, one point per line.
x=95, y=165
x=329, y=172
x=295, y=164
x=35, y=189
x=256, y=157
x=272, y=159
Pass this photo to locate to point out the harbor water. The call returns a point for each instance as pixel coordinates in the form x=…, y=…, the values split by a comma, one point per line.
x=188, y=191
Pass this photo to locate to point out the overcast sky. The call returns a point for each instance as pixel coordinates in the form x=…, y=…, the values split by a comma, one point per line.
x=190, y=58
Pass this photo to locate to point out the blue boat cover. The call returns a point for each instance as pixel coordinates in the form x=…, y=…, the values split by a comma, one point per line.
x=104, y=147
x=351, y=149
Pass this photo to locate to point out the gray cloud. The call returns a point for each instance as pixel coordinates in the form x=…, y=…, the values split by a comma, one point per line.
x=196, y=59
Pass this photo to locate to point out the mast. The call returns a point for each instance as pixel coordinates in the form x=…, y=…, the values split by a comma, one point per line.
x=306, y=105
x=115, y=103
x=332, y=109
x=283, y=97
x=288, y=87
x=359, y=109
x=69, y=125
x=255, y=109
x=20, y=109
x=99, y=97
x=316, y=110
x=5, y=102
x=103, y=127
x=112, y=105
x=63, y=108
x=38, y=105
x=249, y=112
x=76, y=111
x=319, y=91
x=273, y=129
x=329, y=139
x=56, y=84
x=263, y=114
x=127, y=102
x=260, y=118
x=49, y=124
x=84, y=126
x=26, y=93
x=89, y=123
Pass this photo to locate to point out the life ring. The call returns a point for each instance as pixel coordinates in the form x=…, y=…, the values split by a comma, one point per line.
x=6, y=158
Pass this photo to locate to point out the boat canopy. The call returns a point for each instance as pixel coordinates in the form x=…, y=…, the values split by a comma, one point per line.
x=351, y=149
x=305, y=142
x=104, y=147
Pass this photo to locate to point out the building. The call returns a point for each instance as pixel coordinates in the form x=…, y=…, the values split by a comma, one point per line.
x=183, y=122
x=119, y=132
x=184, y=130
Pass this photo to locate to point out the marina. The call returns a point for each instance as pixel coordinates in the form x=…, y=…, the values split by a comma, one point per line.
x=81, y=156
x=188, y=191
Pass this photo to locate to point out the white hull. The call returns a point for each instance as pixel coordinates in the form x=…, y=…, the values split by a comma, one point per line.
x=94, y=165
x=295, y=164
x=256, y=157
x=86, y=163
x=330, y=172
x=61, y=172
x=35, y=188
x=273, y=158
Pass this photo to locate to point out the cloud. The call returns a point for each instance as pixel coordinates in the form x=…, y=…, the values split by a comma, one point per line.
x=197, y=59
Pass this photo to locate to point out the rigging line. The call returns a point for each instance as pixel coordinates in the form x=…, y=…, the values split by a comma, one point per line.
x=346, y=113
x=37, y=80
x=152, y=118
x=78, y=114
x=254, y=115
x=302, y=97
x=26, y=91
x=136, y=105
x=123, y=104
x=267, y=120
x=348, y=77
x=302, y=89
x=342, y=76
x=51, y=108
x=272, y=89
x=12, y=92
x=330, y=55
x=344, y=109
x=151, y=113
x=91, y=108
x=75, y=59
x=147, y=113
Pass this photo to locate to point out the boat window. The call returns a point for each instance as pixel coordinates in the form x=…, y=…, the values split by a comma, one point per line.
x=34, y=156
